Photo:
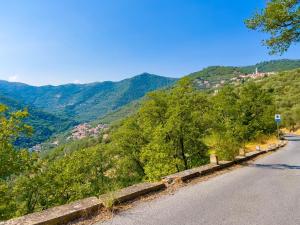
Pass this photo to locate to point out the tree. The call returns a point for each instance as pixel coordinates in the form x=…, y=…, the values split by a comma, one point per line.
x=178, y=126
x=11, y=127
x=225, y=134
x=127, y=143
x=257, y=110
x=239, y=115
x=280, y=19
x=12, y=161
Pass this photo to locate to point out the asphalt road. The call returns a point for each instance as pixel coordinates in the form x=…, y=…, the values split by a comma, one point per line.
x=266, y=192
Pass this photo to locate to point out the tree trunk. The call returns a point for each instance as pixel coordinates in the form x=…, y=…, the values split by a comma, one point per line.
x=181, y=142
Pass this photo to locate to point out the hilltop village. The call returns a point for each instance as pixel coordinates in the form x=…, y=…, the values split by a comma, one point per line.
x=79, y=132
x=237, y=79
x=86, y=130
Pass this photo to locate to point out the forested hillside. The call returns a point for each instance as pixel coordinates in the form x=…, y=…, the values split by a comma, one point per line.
x=215, y=74
x=285, y=87
x=85, y=102
x=173, y=130
x=121, y=113
x=44, y=124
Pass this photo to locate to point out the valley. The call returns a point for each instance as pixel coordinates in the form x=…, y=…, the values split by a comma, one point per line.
x=163, y=131
x=87, y=137
x=56, y=110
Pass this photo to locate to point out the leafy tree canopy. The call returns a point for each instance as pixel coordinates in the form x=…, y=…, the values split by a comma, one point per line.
x=280, y=19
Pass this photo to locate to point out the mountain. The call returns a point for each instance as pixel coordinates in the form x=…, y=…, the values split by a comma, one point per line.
x=44, y=124
x=84, y=102
x=215, y=74
x=273, y=66
x=120, y=113
x=285, y=88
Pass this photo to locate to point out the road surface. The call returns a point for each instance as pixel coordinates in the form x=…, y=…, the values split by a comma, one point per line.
x=266, y=192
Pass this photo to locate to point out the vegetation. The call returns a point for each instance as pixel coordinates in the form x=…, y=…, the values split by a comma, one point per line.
x=215, y=74
x=273, y=66
x=168, y=131
x=173, y=130
x=280, y=19
x=12, y=162
x=119, y=114
x=43, y=124
x=85, y=102
x=285, y=87
x=54, y=110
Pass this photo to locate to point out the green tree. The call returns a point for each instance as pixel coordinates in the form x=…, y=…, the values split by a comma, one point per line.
x=11, y=127
x=225, y=134
x=178, y=126
x=257, y=110
x=12, y=162
x=280, y=19
x=125, y=148
x=239, y=115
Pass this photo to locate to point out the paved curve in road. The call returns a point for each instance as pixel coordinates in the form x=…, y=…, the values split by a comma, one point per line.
x=266, y=192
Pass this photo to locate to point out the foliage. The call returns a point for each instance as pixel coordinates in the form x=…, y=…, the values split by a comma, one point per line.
x=280, y=19
x=119, y=114
x=273, y=66
x=11, y=127
x=176, y=123
x=12, y=162
x=215, y=74
x=90, y=101
x=43, y=124
x=285, y=89
x=239, y=115
x=85, y=102
x=49, y=183
x=173, y=130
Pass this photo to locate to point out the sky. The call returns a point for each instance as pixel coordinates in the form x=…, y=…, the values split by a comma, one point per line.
x=81, y=41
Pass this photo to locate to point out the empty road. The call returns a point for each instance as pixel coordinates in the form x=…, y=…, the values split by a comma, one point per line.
x=266, y=192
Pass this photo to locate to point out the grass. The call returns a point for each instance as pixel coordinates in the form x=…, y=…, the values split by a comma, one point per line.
x=262, y=141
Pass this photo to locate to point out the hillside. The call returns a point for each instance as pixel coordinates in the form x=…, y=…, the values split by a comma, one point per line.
x=44, y=124
x=273, y=65
x=85, y=102
x=120, y=113
x=213, y=75
x=285, y=88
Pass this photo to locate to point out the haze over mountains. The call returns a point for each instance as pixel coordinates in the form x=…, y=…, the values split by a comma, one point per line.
x=54, y=109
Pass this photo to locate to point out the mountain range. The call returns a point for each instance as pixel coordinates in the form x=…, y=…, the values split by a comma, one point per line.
x=84, y=102
x=216, y=73
x=54, y=109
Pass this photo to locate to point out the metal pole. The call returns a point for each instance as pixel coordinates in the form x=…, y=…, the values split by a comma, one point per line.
x=277, y=130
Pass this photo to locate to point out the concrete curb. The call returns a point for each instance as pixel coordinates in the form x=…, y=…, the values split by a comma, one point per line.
x=66, y=213
x=210, y=168
x=60, y=214
x=131, y=192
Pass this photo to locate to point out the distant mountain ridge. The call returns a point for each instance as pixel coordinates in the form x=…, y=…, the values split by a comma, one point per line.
x=44, y=124
x=213, y=74
x=55, y=109
x=85, y=102
x=217, y=73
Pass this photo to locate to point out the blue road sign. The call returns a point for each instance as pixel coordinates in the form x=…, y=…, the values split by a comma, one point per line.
x=277, y=118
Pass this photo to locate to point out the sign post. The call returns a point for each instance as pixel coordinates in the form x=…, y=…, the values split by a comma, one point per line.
x=277, y=120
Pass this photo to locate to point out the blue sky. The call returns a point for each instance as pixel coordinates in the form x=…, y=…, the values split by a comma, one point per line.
x=65, y=41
